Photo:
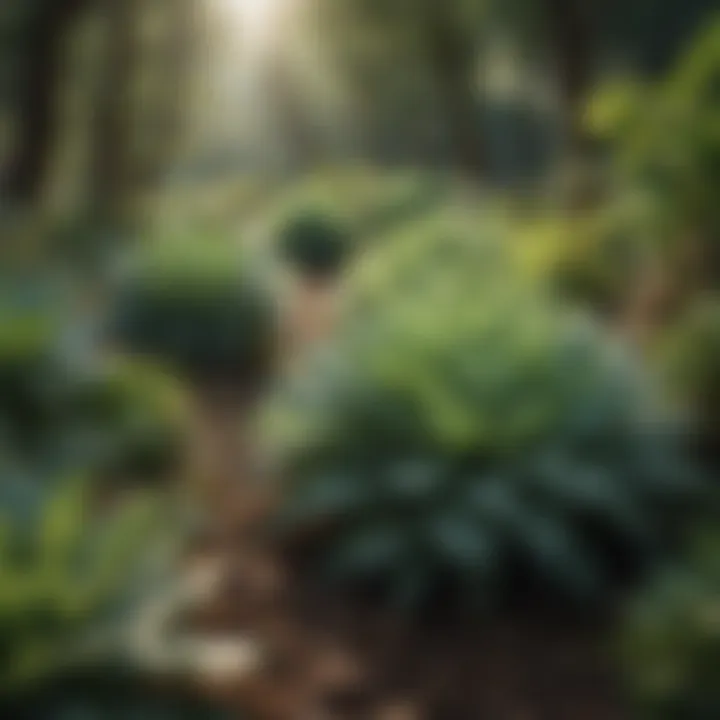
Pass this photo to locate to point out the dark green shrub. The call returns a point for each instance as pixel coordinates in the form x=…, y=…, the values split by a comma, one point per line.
x=197, y=307
x=463, y=432
x=671, y=640
x=30, y=380
x=315, y=245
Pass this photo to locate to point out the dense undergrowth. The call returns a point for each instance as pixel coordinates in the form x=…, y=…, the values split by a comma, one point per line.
x=465, y=432
x=474, y=428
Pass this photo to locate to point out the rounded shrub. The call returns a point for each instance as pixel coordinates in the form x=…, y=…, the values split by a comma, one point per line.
x=315, y=244
x=464, y=434
x=197, y=307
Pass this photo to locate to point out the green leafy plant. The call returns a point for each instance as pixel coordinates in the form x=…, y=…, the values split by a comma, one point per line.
x=62, y=573
x=197, y=307
x=664, y=139
x=128, y=420
x=670, y=644
x=70, y=581
x=452, y=245
x=465, y=432
x=594, y=258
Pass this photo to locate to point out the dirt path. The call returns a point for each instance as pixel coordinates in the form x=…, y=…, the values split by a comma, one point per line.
x=326, y=660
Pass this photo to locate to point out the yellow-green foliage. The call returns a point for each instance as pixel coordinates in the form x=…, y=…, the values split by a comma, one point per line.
x=25, y=336
x=474, y=242
x=665, y=136
x=215, y=205
x=593, y=257
x=61, y=570
x=361, y=199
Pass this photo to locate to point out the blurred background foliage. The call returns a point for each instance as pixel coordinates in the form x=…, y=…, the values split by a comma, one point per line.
x=515, y=207
x=671, y=642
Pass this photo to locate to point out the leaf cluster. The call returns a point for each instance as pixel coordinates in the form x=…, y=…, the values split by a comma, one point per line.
x=466, y=431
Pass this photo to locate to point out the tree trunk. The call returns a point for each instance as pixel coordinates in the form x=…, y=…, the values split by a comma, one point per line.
x=452, y=60
x=464, y=123
x=170, y=61
x=113, y=153
x=38, y=81
x=571, y=34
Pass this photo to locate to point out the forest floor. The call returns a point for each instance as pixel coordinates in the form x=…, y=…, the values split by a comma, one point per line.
x=326, y=658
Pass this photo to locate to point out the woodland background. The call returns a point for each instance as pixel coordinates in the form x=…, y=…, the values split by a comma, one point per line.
x=359, y=359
